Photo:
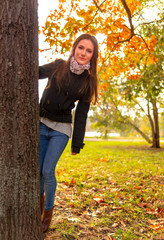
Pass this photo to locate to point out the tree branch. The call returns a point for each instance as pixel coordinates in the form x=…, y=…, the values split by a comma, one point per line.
x=130, y=19
x=98, y=6
x=45, y=49
x=98, y=9
x=125, y=118
x=147, y=23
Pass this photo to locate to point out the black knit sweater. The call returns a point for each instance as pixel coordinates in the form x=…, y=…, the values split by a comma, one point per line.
x=57, y=106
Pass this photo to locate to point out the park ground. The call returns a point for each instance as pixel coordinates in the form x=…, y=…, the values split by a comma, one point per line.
x=111, y=190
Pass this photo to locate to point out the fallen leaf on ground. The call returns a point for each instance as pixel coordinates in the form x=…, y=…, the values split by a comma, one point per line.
x=73, y=182
x=115, y=225
x=157, y=224
x=74, y=219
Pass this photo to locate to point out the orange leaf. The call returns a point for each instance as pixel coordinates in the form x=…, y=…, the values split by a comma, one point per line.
x=98, y=200
x=73, y=182
x=103, y=160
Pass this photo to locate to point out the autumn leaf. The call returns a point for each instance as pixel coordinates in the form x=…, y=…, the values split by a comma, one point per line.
x=73, y=182
x=157, y=224
x=115, y=224
x=102, y=159
x=98, y=200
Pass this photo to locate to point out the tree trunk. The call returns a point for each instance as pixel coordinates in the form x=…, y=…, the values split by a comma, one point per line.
x=151, y=121
x=19, y=132
x=156, y=142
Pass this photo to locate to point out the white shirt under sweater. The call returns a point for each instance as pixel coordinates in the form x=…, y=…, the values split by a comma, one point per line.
x=65, y=128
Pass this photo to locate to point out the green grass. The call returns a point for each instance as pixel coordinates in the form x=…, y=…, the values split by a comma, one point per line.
x=111, y=190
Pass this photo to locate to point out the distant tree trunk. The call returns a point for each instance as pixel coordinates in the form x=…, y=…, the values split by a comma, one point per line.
x=19, y=133
x=156, y=142
x=105, y=134
x=151, y=122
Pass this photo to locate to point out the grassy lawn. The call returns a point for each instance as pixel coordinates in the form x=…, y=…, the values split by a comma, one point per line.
x=111, y=190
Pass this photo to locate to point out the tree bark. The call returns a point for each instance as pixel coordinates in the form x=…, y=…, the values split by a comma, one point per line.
x=19, y=132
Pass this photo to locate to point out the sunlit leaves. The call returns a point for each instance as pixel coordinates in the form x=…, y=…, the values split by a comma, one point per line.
x=108, y=18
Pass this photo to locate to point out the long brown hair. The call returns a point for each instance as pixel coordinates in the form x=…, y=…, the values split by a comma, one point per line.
x=92, y=82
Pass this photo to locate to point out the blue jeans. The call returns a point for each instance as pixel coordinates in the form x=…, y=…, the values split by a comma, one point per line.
x=52, y=145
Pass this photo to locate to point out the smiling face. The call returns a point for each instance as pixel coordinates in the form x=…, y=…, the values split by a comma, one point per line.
x=84, y=51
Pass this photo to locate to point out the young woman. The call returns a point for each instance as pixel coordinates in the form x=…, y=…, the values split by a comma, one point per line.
x=68, y=81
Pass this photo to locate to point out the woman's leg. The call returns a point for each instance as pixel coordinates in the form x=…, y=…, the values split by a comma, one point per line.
x=42, y=152
x=56, y=145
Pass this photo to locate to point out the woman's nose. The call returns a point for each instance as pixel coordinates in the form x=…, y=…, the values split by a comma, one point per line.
x=83, y=52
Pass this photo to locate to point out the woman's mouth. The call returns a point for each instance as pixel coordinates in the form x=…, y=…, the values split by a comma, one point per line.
x=81, y=58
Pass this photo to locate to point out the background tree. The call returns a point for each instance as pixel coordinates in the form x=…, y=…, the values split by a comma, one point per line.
x=19, y=160
x=125, y=116
x=134, y=97
x=147, y=91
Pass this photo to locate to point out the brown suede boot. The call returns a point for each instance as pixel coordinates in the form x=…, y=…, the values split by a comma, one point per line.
x=42, y=198
x=47, y=219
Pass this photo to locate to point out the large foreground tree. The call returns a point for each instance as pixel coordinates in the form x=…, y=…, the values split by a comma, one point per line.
x=19, y=159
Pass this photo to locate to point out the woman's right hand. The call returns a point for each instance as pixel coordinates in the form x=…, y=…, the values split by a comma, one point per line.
x=73, y=153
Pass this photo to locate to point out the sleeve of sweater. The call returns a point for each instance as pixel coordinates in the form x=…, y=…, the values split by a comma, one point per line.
x=45, y=71
x=80, y=123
